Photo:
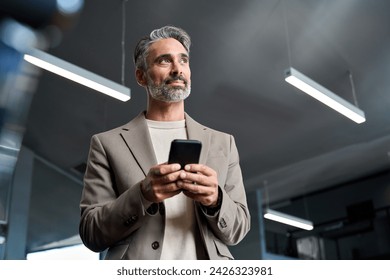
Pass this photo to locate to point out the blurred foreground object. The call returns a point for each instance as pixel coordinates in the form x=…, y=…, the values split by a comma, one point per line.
x=23, y=25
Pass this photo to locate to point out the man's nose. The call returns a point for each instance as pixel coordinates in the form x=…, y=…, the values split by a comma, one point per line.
x=177, y=68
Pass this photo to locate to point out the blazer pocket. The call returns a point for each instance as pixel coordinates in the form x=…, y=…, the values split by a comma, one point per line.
x=222, y=250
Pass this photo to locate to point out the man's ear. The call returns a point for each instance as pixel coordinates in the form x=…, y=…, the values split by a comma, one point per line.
x=140, y=75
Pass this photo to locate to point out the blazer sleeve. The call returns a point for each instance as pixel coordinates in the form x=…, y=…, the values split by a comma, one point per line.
x=232, y=222
x=107, y=216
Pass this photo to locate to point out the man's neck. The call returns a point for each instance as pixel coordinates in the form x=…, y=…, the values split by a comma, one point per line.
x=162, y=111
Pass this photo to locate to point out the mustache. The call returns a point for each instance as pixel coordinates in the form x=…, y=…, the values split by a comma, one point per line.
x=178, y=78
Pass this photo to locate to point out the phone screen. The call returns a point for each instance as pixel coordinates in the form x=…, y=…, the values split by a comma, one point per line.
x=184, y=152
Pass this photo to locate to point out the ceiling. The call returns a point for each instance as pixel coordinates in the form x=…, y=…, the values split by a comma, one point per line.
x=238, y=58
x=287, y=141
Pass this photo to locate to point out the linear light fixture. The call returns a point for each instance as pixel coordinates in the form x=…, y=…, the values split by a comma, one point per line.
x=324, y=95
x=77, y=74
x=288, y=219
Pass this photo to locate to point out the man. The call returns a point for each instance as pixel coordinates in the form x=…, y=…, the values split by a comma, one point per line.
x=136, y=204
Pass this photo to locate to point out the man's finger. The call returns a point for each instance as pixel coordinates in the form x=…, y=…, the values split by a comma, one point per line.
x=201, y=168
x=165, y=169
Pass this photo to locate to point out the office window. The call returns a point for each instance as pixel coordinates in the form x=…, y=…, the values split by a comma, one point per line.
x=75, y=252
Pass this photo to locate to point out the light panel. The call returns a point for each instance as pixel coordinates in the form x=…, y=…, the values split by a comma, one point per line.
x=288, y=219
x=324, y=95
x=77, y=74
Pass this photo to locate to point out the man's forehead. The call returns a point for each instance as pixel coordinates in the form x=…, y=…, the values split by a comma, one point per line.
x=167, y=46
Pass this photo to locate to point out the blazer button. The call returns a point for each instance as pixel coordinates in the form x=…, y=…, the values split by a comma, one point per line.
x=130, y=221
x=152, y=210
x=134, y=218
x=222, y=223
x=162, y=209
x=155, y=245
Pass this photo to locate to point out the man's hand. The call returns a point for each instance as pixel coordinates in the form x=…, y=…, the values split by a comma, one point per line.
x=200, y=183
x=160, y=183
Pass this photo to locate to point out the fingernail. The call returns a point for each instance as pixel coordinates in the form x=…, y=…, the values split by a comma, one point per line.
x=183, y=175
x=187, y=167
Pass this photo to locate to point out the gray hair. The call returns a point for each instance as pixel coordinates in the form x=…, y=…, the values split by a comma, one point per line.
x=142, y=48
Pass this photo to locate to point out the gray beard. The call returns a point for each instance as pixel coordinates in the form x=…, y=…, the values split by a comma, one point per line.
x=168, y=94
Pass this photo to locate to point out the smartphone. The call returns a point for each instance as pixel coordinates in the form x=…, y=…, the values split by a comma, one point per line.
x=184, y=152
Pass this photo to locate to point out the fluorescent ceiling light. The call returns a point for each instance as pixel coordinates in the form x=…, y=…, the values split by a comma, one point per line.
x=324, y=95
x=77, y=74
x=288, y=219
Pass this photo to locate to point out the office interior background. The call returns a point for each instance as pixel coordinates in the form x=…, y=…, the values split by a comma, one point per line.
x=298, y=156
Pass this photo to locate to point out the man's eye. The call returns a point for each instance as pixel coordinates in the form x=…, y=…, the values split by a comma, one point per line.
x=184, y=60
x=164, y=61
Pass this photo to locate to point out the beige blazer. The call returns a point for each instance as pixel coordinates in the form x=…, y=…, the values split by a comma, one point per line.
x=113, y=214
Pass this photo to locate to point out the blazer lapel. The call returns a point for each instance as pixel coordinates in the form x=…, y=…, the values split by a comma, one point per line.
x=137, y=138
x=199, y=132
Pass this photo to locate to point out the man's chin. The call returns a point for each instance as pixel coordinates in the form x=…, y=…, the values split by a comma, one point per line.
x=171, y=94
x=170, y=99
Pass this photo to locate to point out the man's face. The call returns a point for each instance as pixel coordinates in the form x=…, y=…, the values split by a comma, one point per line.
x=168, y=74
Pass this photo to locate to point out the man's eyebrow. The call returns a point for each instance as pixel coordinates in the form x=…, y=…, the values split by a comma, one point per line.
x=167, y=55
x=185, y=55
